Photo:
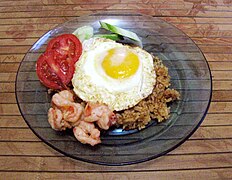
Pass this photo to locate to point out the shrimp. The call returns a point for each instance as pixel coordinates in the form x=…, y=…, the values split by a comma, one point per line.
x=73, y=112
x=87, y=133
x=56, y=121
x=60, y=101
x=65, y=113
x=67, y=95
x=64, y=101
x=101, y=114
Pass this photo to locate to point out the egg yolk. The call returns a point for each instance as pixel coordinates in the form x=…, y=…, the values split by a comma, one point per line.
x=120, y=63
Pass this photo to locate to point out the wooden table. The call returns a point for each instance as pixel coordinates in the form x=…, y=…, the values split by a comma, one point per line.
x=207, y=154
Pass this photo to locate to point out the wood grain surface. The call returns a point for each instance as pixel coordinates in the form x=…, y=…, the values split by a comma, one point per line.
x=207, y=153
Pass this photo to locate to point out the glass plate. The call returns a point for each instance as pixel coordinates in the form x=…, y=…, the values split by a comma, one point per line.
x=189, y=72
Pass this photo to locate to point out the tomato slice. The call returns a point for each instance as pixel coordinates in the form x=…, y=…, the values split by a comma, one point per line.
x=67, y=46
x=54, y=72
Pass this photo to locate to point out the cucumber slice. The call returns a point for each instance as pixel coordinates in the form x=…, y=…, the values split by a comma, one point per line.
x=114, y=37
x=120, y=31
x=84, y=32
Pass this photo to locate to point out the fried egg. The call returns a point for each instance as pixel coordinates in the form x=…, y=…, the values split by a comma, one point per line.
x=117, y=75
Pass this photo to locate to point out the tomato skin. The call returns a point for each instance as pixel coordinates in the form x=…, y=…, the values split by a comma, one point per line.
x=67, y=46
x=53, y=72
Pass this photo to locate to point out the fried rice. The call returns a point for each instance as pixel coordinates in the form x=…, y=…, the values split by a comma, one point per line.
x=155, y=106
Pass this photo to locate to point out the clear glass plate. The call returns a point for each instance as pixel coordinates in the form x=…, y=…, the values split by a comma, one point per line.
x=190, y=75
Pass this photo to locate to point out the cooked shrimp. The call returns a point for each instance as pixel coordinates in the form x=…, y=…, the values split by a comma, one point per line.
x=56, y=121
x=73, y=112
x=60, y=101
x=67, y=95
x=64, y=101
x=65, y=113
x=87, y=133
x=107, y=121
x=101, y=114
